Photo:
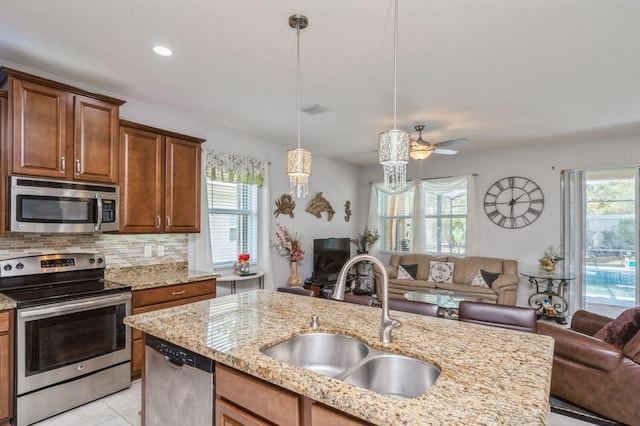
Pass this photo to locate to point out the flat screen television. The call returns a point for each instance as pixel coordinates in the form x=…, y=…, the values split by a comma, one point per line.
x=329, y=255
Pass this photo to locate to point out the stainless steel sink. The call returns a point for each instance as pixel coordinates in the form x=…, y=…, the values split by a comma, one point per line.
x=393, y=375
x=324, y=353
x=354, y=362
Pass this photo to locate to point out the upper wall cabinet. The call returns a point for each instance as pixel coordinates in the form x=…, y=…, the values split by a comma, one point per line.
x=3, y=134
x=59, y=131
x=159, y=180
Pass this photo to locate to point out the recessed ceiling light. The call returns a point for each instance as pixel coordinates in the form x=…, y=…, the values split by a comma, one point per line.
x=162, y=50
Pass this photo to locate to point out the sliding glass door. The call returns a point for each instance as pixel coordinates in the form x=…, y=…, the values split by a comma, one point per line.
x=601, y=230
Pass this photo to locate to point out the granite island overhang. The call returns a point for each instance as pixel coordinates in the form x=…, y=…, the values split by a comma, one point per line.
x=489, y=375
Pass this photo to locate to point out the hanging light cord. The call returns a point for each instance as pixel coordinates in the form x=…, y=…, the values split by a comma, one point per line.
x=298, y=77
x=395, y=65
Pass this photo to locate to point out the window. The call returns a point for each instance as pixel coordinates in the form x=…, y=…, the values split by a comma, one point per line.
x=445, y=219
x=600, y=230
x=233, y=221
x=430, y=216
x=395, y=221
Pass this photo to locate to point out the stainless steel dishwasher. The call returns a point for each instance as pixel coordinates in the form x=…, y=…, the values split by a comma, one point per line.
x=179, y=386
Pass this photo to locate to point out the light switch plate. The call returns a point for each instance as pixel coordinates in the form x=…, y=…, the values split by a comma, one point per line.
x=147, y=251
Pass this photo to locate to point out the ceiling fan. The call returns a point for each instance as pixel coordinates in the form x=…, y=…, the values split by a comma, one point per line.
x=421, y=149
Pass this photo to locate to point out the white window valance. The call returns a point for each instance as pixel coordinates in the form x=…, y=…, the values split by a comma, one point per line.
x=227, y=167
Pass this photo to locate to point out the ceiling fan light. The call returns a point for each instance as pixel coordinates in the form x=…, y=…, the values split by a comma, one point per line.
x=420, y=154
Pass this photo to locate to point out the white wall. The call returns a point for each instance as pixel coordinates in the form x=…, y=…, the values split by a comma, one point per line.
x=541, y=163
x=337, y=180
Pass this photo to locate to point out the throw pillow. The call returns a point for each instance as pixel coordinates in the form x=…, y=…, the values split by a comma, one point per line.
x=622, y=329
x=478, y=281
x=441, y=272
x=411, y=270
x=484, y=278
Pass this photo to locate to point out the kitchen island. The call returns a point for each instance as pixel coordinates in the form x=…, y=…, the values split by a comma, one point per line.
x=489, y=375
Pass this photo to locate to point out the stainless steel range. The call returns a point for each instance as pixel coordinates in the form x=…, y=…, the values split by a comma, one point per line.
x=71, y=344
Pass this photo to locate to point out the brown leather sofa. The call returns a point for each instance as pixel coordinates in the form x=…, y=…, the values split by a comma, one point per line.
x=594, y=374
x=502, y=291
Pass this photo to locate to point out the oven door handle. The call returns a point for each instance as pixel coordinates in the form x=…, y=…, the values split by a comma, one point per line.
x=95, y=302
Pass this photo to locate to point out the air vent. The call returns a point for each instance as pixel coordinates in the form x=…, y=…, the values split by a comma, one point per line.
x=313, y=109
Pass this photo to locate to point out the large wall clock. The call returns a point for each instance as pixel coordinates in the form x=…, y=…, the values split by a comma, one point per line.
x=513, y=202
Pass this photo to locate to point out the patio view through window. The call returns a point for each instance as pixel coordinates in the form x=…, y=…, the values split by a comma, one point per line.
x=609, y=241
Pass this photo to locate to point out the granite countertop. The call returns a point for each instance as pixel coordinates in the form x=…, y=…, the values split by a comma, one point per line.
x=151, y=276
x=489, y=375
x=6, y=302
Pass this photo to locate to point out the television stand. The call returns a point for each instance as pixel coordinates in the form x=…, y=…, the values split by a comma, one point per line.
x=321, y=282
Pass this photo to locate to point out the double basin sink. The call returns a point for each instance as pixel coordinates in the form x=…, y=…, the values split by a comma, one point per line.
x=352, y=361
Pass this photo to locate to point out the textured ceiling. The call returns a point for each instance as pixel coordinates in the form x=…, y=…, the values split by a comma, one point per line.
x=497, y=72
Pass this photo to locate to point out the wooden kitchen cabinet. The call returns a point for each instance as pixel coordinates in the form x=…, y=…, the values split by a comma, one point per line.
x=6, y=366
x=159, y=180
x=159, y=298
x=3, y=138
x=243, y=400
x=325, y=416
x=59, y=131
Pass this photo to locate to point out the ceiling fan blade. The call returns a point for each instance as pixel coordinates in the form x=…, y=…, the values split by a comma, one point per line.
x=452, y=142
x=445, y=151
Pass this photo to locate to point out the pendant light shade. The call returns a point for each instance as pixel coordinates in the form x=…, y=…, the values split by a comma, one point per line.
x=394, y=156
x=299, y=170
x=394, y=144
x=298, y=160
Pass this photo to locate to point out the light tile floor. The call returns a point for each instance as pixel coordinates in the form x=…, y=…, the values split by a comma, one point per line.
x=119, y=409
x=123, y=408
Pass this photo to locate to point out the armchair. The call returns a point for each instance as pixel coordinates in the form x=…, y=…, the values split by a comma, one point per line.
x=594, y=374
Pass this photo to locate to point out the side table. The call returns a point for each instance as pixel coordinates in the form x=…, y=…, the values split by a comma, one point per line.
x=550, y=298
x=235, y=278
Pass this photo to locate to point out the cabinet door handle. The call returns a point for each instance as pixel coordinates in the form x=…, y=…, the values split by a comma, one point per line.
x=78, y=166
x=158, y=221
x=178, y=293
x=168, y=221
x=63, y=164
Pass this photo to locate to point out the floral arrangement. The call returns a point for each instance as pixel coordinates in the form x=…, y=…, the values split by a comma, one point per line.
x=288, y=245
x=244, y=257
x=365, y=241
x=551, y=258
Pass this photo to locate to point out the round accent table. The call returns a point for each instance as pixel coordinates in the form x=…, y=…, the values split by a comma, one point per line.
x=233, y=279
x=550, y=298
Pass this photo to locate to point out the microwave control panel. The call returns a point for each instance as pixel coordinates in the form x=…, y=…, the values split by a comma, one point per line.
x=108, y=211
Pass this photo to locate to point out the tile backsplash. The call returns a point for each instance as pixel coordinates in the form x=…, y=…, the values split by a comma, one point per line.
x=119, y=250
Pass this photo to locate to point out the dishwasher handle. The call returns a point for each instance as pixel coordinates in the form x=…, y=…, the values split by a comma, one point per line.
x=173, y=363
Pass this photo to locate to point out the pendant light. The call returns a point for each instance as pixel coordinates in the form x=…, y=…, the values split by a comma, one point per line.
x=298, y=160
x=394, y=144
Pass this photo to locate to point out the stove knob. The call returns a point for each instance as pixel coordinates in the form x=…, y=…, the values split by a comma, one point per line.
x=92, y=260
x=7, y=267
x=19, y=266
x=100, y=260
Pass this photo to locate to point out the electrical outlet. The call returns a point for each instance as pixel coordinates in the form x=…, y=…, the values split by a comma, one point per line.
x=147, y=251
x=160, y=250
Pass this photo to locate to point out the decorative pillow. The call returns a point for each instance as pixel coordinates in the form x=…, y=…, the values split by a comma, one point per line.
x=484, y=278
x=622, y=329
x=441, y=272
x=407, y=272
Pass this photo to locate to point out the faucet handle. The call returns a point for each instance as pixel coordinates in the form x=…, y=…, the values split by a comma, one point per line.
x=314, y=320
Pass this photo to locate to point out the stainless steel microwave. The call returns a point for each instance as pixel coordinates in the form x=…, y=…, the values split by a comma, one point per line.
x=50, y=206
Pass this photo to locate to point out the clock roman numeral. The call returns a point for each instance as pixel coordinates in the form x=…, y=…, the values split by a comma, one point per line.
x=534, y=211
